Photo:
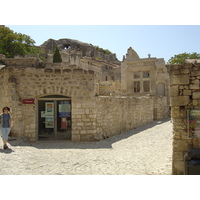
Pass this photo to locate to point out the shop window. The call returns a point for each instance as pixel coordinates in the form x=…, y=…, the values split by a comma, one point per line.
x=146, y=86
x=146, y=75
x=136, y=75
x=136, y=86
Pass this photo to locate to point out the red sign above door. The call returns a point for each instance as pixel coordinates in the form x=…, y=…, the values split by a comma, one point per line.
x=28, y=101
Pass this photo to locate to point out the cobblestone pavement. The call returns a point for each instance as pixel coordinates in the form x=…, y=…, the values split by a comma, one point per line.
x=143, y=151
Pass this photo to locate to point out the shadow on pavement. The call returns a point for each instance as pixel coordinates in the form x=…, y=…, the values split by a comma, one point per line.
x=6, y=151
x=67, y=144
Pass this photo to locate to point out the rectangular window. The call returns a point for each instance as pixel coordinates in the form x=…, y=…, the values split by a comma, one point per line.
x=146, y=74
x=136, y=86
x=136, y=75
x=146, y=86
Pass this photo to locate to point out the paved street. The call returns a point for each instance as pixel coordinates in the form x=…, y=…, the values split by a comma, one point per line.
x=143, y=151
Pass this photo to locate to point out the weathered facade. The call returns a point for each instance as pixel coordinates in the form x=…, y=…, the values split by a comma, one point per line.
x=82, y=98
x=144, y=76
x=184, y=98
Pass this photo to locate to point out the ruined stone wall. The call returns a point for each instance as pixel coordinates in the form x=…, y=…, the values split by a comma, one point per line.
x=140, y=77
x=184, y=95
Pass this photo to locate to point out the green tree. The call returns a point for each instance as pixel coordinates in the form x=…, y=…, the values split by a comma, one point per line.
x=12, y=43
x=56, y=56
x=104, y=51
x=180, y=58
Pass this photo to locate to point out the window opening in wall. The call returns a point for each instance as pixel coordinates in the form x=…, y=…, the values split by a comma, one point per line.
x=136, y=86
x=136, y=75
x=66, y=46
x=146, y=86
x=146, y=74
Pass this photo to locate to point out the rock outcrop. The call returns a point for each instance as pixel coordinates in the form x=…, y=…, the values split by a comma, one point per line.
x=74, y=46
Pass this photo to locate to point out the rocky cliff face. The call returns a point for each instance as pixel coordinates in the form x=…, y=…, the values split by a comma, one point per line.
x=85, y=49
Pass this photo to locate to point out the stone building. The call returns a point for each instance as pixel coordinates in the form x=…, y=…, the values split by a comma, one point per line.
x=144, y=76
x=83, y=98
x=185, y=106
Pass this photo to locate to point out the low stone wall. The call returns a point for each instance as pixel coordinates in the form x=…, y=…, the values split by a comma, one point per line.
x=104, y=116
x=119, y=114
x=184, y=95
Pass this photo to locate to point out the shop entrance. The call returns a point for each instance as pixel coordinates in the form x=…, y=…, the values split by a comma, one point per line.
x=54, y=117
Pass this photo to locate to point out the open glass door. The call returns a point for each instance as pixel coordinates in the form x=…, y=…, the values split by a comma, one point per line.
x=54, y=118
x=64, y=120
x=46, y=120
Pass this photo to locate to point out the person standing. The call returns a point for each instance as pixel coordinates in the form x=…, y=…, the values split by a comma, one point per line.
x=6, y=120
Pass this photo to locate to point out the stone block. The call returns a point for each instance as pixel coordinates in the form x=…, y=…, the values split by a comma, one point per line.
x=179, y=101
x=175, y=111
x=196, y=95
x=195, y=73
x=174, y=72
x=195, y=102
x=180, y=145
x=87, y=138
x=187, y=92
x=178, y=155
x=176, y=135
x=177, y=167
x=174, y=91
x=179, y=124
x=175, y=67
x=195, y=81
x=179, y=79
x=75, y=138
x=184, y=71
x=194, y=86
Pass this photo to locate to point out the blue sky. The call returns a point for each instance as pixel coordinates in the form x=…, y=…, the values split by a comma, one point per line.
x=161, y=41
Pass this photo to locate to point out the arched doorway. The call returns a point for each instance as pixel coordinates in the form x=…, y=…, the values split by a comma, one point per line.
x=54, y=117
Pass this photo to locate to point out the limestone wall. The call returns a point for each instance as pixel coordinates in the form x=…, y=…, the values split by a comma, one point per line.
x=118, y=114
x=184, y=95
x=104, y=116
x=30, y=83
x=93, y=117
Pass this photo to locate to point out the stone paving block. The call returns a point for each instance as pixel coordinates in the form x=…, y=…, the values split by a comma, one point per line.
x=143, y=151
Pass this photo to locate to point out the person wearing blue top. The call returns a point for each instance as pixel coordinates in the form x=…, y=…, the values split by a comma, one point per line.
x=5, y=125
